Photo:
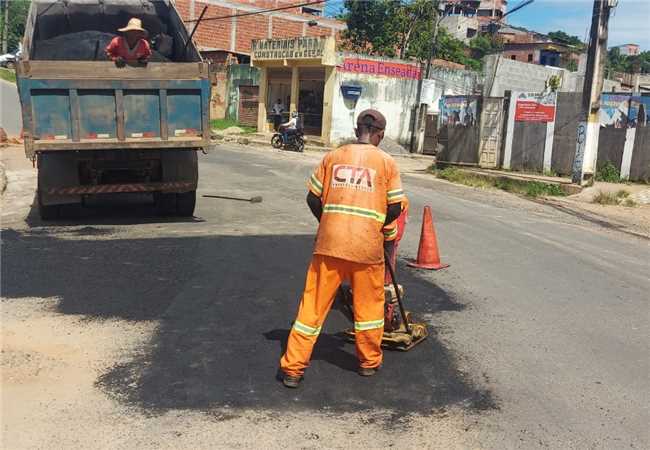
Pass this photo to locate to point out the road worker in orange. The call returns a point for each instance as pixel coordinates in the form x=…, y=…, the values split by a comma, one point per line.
x=354, y=193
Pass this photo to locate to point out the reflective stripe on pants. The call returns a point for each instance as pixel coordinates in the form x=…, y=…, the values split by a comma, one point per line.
x=324, y=277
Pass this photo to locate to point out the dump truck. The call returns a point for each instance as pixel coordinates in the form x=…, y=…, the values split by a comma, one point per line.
x=93, y=128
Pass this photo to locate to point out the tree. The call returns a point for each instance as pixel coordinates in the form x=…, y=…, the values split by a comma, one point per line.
x=390, y=27
x=483, y=45
x=16, y=25
x=564, y=38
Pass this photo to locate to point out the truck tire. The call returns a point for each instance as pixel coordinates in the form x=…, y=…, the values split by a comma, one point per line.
x=185, y=204
x=165, y=203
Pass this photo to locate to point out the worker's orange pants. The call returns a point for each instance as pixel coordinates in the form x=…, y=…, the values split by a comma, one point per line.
x=324, y=277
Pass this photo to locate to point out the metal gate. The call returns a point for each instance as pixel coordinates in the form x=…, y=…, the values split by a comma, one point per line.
x=492, y=117
x=248, y=105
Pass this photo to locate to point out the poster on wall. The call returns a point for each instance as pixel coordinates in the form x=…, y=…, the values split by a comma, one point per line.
x=614, y=109
x=459, y=110
x=639, y=114
x=533, y=107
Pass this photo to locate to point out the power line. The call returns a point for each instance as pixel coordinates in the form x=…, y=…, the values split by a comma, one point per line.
x=263, y=11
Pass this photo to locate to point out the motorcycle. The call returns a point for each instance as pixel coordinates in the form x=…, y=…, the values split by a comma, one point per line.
x=295, y=141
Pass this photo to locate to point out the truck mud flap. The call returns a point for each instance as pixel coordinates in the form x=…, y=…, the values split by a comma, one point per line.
x=170, y=186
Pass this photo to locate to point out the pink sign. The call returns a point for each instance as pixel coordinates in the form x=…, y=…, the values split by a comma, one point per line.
x=388, y=69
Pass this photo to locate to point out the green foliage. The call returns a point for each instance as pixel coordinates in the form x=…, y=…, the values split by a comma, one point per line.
x=452, y=49
x=484, y=44
x=532, y=189
x=616, y=62
x=389, y=27
x=405, y=29
x=7, y=75
x=608, y=173
x=572, y=66
x=18, y=10
x=222, y=124
x=564, y=38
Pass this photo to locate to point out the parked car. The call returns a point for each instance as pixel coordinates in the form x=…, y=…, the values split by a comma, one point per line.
x=9, y=59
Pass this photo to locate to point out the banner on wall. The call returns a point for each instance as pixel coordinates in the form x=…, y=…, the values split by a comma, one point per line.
x=532, y=107
x=459, y=110
x=388, y=69
x=614, y=110
x=639, y=114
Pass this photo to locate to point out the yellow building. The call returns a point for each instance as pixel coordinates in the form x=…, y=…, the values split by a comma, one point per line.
x=301, y=73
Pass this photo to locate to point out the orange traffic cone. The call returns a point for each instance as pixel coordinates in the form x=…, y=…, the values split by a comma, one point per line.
x=428, y=256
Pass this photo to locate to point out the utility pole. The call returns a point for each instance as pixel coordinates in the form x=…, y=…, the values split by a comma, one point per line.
x=584, y=164
x=5, y=27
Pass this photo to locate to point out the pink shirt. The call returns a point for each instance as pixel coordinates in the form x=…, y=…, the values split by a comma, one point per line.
x=119, y=47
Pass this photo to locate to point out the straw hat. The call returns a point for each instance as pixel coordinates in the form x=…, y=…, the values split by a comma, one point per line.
x=133, y=25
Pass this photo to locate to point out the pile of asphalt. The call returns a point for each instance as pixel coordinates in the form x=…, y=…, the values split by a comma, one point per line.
x=81, y=46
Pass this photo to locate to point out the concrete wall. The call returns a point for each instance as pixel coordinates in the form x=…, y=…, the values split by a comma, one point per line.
x=502, y=74
x=394, y=97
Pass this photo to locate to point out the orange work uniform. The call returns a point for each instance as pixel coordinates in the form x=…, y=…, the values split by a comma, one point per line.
x=355, y=183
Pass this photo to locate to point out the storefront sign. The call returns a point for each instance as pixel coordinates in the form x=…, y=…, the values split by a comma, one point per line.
x=535, y=107
x=292, y=48
x=389, y=69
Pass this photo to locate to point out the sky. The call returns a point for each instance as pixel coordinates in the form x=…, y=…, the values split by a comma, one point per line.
x=630, y=22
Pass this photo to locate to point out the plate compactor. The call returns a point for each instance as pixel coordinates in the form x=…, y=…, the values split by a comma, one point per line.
x=400, y=332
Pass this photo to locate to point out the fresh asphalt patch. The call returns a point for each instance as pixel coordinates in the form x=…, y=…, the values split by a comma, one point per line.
x=225, y=305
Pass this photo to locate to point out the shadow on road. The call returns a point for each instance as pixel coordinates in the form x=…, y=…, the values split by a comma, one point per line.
x=107, y=209
x=224, y=306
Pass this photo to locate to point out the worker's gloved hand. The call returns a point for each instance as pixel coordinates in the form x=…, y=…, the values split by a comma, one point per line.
x=120, y=62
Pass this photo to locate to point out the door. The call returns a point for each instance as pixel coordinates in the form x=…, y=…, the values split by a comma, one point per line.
x=248, y=105
x=430, y=135
x=491, y=131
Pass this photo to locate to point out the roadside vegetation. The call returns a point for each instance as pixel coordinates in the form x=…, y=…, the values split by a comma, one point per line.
x=621, y=197
x=608, y=173
x=8, y=75
x=222, y=124
x=531, y=189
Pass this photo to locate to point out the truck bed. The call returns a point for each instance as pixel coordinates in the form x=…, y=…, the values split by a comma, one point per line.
x=92, y=105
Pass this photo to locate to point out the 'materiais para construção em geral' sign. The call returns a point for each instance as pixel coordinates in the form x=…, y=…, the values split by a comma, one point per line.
x=291, y=48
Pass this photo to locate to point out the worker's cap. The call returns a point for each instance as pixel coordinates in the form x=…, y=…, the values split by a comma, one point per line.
x=134, y=24
x=371, y=118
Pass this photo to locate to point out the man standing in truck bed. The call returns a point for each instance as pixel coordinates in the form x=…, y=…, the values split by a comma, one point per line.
x=354, y=192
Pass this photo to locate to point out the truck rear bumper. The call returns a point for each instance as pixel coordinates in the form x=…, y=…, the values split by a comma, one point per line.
x=168, y=186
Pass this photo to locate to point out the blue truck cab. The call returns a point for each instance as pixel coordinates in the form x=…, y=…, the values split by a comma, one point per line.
x=95, y=128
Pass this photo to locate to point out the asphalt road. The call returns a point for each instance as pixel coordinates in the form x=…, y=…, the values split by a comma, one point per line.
x=540, y=326
x=10, y=118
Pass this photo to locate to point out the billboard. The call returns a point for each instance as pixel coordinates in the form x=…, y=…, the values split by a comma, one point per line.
x=532, y=107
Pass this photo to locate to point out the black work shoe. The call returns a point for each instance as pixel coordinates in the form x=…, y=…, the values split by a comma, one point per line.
x=291, y=382
x=368, y=371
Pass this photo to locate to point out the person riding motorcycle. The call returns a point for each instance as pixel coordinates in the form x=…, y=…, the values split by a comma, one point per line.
x=289, y=128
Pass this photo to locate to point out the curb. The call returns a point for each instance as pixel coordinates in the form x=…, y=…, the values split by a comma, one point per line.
x=242, y=140
x=567, y=188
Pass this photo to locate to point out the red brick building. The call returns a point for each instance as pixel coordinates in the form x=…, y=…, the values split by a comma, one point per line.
x=217, y=39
